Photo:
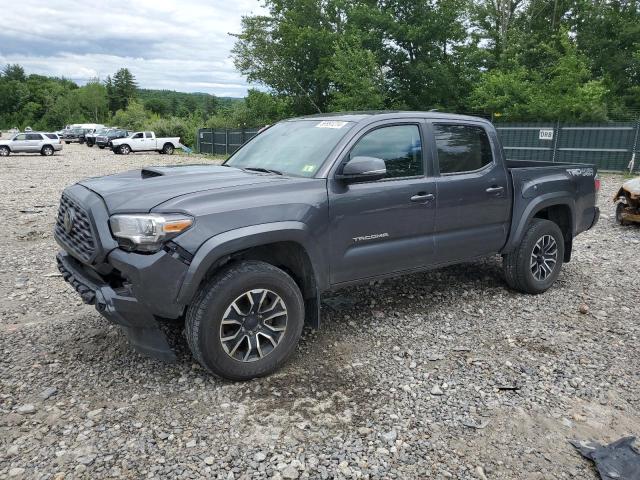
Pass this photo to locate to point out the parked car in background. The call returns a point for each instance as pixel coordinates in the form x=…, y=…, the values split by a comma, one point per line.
x=31, y=142
x=82, y=138
x=73, y=135
x=104, y=140
x=14, y=130
x=90, y=138
x=28, y=129
x=145, y=142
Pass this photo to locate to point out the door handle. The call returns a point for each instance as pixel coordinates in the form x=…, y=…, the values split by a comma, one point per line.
x=494, y=190
x=423, y=197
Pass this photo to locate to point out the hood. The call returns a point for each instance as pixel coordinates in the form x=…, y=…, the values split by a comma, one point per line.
x=142, y=190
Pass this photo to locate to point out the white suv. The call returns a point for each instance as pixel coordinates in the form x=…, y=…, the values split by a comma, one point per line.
x=31, y=142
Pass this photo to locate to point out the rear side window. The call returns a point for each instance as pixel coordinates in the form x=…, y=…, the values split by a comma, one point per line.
x=53, y=136
x=462, y=148
x=34, y=136
x=399, y=146
x=148, y=134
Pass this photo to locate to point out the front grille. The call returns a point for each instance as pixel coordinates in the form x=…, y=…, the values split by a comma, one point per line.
x=79, y=240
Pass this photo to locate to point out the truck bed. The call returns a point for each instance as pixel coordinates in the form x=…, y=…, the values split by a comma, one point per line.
x=536, y=184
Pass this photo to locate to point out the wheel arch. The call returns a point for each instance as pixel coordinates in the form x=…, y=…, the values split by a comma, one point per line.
x=286, y=245
x=557, y=208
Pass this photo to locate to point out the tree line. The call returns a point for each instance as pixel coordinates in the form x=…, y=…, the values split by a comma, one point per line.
x=50, y=103
x=570, y=60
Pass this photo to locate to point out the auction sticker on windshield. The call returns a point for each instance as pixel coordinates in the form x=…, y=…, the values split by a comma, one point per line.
x=331, y=124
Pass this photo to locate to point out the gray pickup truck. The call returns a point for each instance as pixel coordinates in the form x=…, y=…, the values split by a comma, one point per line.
x=240, y=253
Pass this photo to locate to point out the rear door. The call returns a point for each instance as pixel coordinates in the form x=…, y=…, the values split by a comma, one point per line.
x=34, y=142
x=149, y=141
x=384, y=226
x=474, y=197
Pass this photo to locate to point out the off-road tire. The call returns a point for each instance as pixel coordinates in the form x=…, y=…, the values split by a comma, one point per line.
x=47, y=151
x=124, y=149
x=4, y=151
x=167, y=149
x=205, y=314
x=517, y=264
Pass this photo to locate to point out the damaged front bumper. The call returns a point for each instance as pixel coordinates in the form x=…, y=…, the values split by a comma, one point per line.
x=118, y=302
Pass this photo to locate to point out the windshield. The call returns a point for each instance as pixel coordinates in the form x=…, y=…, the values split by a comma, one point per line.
x=294, y=148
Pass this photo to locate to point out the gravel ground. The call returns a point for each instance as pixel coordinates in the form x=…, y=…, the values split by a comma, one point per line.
x=439, y=375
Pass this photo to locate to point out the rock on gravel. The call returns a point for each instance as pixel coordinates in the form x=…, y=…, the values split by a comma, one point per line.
x=362, y=398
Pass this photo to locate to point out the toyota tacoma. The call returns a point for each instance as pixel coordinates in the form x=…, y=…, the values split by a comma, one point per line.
x=239, y=254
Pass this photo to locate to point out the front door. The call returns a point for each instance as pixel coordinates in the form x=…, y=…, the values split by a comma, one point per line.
x=19, y=143
x=383, y=226
x=474, y=196
x=137, y=142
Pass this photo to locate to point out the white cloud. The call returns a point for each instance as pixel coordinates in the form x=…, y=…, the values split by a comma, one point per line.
x=182, y=46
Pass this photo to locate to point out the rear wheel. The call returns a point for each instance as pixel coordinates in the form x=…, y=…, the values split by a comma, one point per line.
x=167, y=149
x=124, y=149
x=100, y=147
x=67, y=142
x=535, y=265
x=4, y=151
x=47, y=151
x=246, y=321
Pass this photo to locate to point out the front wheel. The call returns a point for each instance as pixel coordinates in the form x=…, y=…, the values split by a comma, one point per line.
x=246, y=321
x=124, y=149
x=4, y=151
x=535, y=264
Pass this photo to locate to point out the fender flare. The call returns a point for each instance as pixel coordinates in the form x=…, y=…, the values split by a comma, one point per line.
x=243, y=238
x=548, y=200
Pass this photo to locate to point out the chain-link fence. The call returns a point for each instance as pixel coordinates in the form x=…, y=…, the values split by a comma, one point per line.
x=223, y=141
x=610, y=146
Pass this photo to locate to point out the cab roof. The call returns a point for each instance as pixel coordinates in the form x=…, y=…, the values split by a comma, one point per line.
x=374, y=115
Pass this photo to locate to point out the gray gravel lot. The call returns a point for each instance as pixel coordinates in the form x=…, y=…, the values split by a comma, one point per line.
x=439, y=375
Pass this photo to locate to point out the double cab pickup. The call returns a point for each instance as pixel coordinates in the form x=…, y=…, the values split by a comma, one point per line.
x=239, y=254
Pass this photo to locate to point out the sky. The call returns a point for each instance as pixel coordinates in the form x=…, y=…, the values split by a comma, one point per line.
x=176, y=45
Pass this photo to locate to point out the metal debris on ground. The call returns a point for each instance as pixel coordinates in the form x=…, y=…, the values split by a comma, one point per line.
x=617, y=461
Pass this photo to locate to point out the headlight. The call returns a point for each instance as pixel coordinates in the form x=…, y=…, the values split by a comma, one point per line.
x=147, y=232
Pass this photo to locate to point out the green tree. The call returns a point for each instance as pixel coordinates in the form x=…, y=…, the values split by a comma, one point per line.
x=123, y=89
x=134, y=117
x=358, y=80
x=289, y=49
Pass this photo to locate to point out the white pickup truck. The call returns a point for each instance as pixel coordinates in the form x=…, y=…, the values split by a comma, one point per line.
x=145, y=141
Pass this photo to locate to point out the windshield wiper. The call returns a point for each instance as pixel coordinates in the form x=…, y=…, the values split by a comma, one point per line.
x=265, y=170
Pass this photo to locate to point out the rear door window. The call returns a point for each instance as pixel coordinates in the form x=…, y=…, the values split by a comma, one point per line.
x=34, y=136
x=462, y=148
x=148, y=134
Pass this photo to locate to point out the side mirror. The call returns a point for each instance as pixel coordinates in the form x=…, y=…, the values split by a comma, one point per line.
x=363, y=169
